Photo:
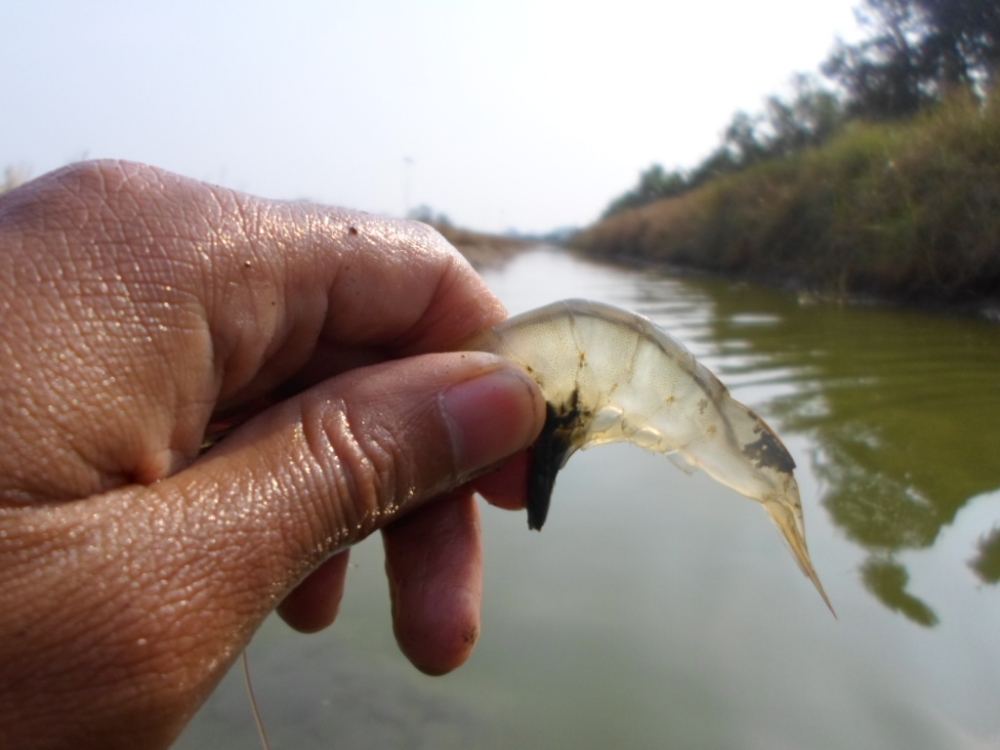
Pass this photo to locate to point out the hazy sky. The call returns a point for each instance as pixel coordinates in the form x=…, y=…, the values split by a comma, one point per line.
x=500, y=114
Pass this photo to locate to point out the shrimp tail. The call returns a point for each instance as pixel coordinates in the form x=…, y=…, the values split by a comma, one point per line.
x=790, y=525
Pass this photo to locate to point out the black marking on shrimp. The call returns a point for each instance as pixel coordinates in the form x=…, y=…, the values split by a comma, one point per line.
x=563, y=424
x=767, y=451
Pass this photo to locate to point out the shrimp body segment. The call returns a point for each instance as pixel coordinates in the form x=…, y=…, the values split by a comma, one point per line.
x=609, y=375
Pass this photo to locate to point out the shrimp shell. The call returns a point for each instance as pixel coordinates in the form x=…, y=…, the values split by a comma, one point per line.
x=609, y=375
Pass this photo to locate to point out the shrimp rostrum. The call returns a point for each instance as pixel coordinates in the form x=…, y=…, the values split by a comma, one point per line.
x=609, y=375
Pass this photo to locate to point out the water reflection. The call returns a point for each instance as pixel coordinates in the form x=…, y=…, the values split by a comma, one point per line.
x=986, y=563
x=887, y=580
x=903, y=408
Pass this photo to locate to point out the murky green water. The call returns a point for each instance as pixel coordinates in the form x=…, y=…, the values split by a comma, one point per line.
x=661, y=610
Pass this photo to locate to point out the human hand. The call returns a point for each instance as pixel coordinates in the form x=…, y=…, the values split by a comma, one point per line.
x=136, y=309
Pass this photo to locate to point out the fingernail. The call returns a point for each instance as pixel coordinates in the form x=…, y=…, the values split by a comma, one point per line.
x=491, y=417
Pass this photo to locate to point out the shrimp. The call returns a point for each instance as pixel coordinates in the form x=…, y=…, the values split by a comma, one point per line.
x=609, y=375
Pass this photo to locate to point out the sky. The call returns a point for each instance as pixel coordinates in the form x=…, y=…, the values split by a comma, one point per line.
x=505, y=114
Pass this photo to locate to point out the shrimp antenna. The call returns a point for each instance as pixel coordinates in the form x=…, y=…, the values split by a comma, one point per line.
x=254, y=708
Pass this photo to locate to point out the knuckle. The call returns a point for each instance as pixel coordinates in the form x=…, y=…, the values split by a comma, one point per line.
x=428, y=239
x=60, y=201
x=86, y=200
x=102, y=179
x=364, y=470
x=422, y=229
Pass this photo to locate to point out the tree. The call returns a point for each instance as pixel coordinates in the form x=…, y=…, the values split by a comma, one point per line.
x=963, y=39
x=917, y=51
x=816, y=111
x=743, y=140
x=654, y=183
x=428, y=215
x=882, y=75
x=809, y=118
x=787, y=126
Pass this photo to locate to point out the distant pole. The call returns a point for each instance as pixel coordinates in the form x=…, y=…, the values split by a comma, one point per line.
x=407, y=169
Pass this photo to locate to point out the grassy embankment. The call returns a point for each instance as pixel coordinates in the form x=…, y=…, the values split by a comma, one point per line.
x=908, y=210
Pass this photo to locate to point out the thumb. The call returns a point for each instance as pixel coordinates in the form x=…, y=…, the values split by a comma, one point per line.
x=330, y=466
x=189, y=566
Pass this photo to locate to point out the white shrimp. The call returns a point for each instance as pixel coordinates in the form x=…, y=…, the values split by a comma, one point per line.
x=609, y=375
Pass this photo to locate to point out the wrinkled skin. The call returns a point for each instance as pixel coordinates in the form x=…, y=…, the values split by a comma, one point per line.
x=139, y=309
